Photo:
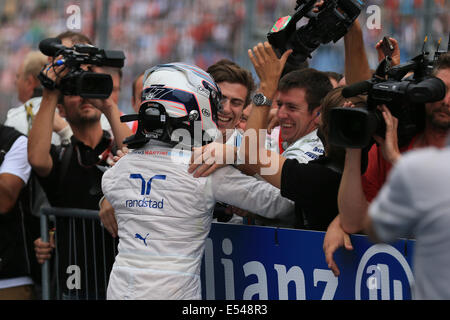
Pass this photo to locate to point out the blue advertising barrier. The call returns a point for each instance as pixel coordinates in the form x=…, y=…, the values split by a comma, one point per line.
x=263, y=263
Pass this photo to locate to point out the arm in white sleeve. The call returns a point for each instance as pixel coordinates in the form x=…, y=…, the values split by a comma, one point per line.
x=231, y=186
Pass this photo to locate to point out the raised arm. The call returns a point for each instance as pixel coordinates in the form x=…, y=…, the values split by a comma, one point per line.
x=356, y=64
x=252, y=153
x=40, y=137
x=351, y=198
x=269, y=68
x=352, y=201
x=111, y=111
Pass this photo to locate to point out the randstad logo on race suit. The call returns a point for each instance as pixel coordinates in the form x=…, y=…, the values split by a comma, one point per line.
x=146, y=187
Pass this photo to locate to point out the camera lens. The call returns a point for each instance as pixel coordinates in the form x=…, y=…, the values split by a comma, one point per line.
x=95, y=85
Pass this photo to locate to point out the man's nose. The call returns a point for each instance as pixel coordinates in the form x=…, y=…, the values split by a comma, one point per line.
x=281, y=111
x=447, y=98
x=225, y=103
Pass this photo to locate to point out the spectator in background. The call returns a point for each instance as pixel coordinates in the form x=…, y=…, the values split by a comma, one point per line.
x=18, y=227
x=27, y=83
x=29, y=91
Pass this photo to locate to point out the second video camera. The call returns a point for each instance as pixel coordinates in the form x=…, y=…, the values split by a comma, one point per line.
x=332, y=21
x=79, y=82
x=404, y=97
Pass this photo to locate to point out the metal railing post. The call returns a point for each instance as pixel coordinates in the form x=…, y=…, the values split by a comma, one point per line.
x=70, y=216
x=45, y=267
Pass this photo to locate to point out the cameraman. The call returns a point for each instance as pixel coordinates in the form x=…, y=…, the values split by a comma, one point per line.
x=71, y=175
x=356, y=191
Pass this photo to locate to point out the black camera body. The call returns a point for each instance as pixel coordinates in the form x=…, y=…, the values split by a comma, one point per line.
x=330, y=23
x=79, y=82
x=404, y=97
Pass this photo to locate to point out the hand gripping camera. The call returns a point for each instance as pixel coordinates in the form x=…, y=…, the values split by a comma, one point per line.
x=330, y=23
x=404, y=97
x=79, y=82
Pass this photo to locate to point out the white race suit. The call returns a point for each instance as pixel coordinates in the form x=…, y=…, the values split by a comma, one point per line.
x=164, y=216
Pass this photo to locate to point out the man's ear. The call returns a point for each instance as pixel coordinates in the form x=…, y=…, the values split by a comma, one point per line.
x=34, y=81
x=31, y=81
x=61, y=110
x=317, y=115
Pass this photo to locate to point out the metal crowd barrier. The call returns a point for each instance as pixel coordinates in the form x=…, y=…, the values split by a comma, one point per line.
x=83, y=255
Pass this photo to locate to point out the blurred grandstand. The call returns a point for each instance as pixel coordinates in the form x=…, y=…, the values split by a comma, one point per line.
x=194, y=31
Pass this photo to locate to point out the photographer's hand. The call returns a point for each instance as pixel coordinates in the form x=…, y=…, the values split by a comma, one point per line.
x=268, y=67
x=40, y=136
x=106, y=106
x=55, y=72
x=395, y=54
x=317, y=6
x=389, y=145
x=110, y=109
x=335, y=238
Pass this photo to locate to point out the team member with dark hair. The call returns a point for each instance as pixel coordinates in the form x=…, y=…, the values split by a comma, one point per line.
x=299, y=104
x=236, y=85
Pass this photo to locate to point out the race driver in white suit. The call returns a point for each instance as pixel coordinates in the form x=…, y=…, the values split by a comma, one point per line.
x=163, y=213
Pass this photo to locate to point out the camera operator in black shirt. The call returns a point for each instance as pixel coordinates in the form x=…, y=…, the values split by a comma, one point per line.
x=71, y=175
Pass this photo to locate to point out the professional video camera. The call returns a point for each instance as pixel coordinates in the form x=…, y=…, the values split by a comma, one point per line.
x=331, y=22
x=79, y=82
x=405, y=99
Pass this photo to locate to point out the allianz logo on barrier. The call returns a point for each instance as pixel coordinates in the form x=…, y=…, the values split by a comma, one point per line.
x=382, y=273
x=375, y=281
x=146, y=187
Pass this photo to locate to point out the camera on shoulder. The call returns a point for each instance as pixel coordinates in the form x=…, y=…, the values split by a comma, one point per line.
x=403, y=94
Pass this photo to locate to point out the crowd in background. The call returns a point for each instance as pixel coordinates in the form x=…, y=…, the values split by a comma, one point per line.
x=200, y=32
